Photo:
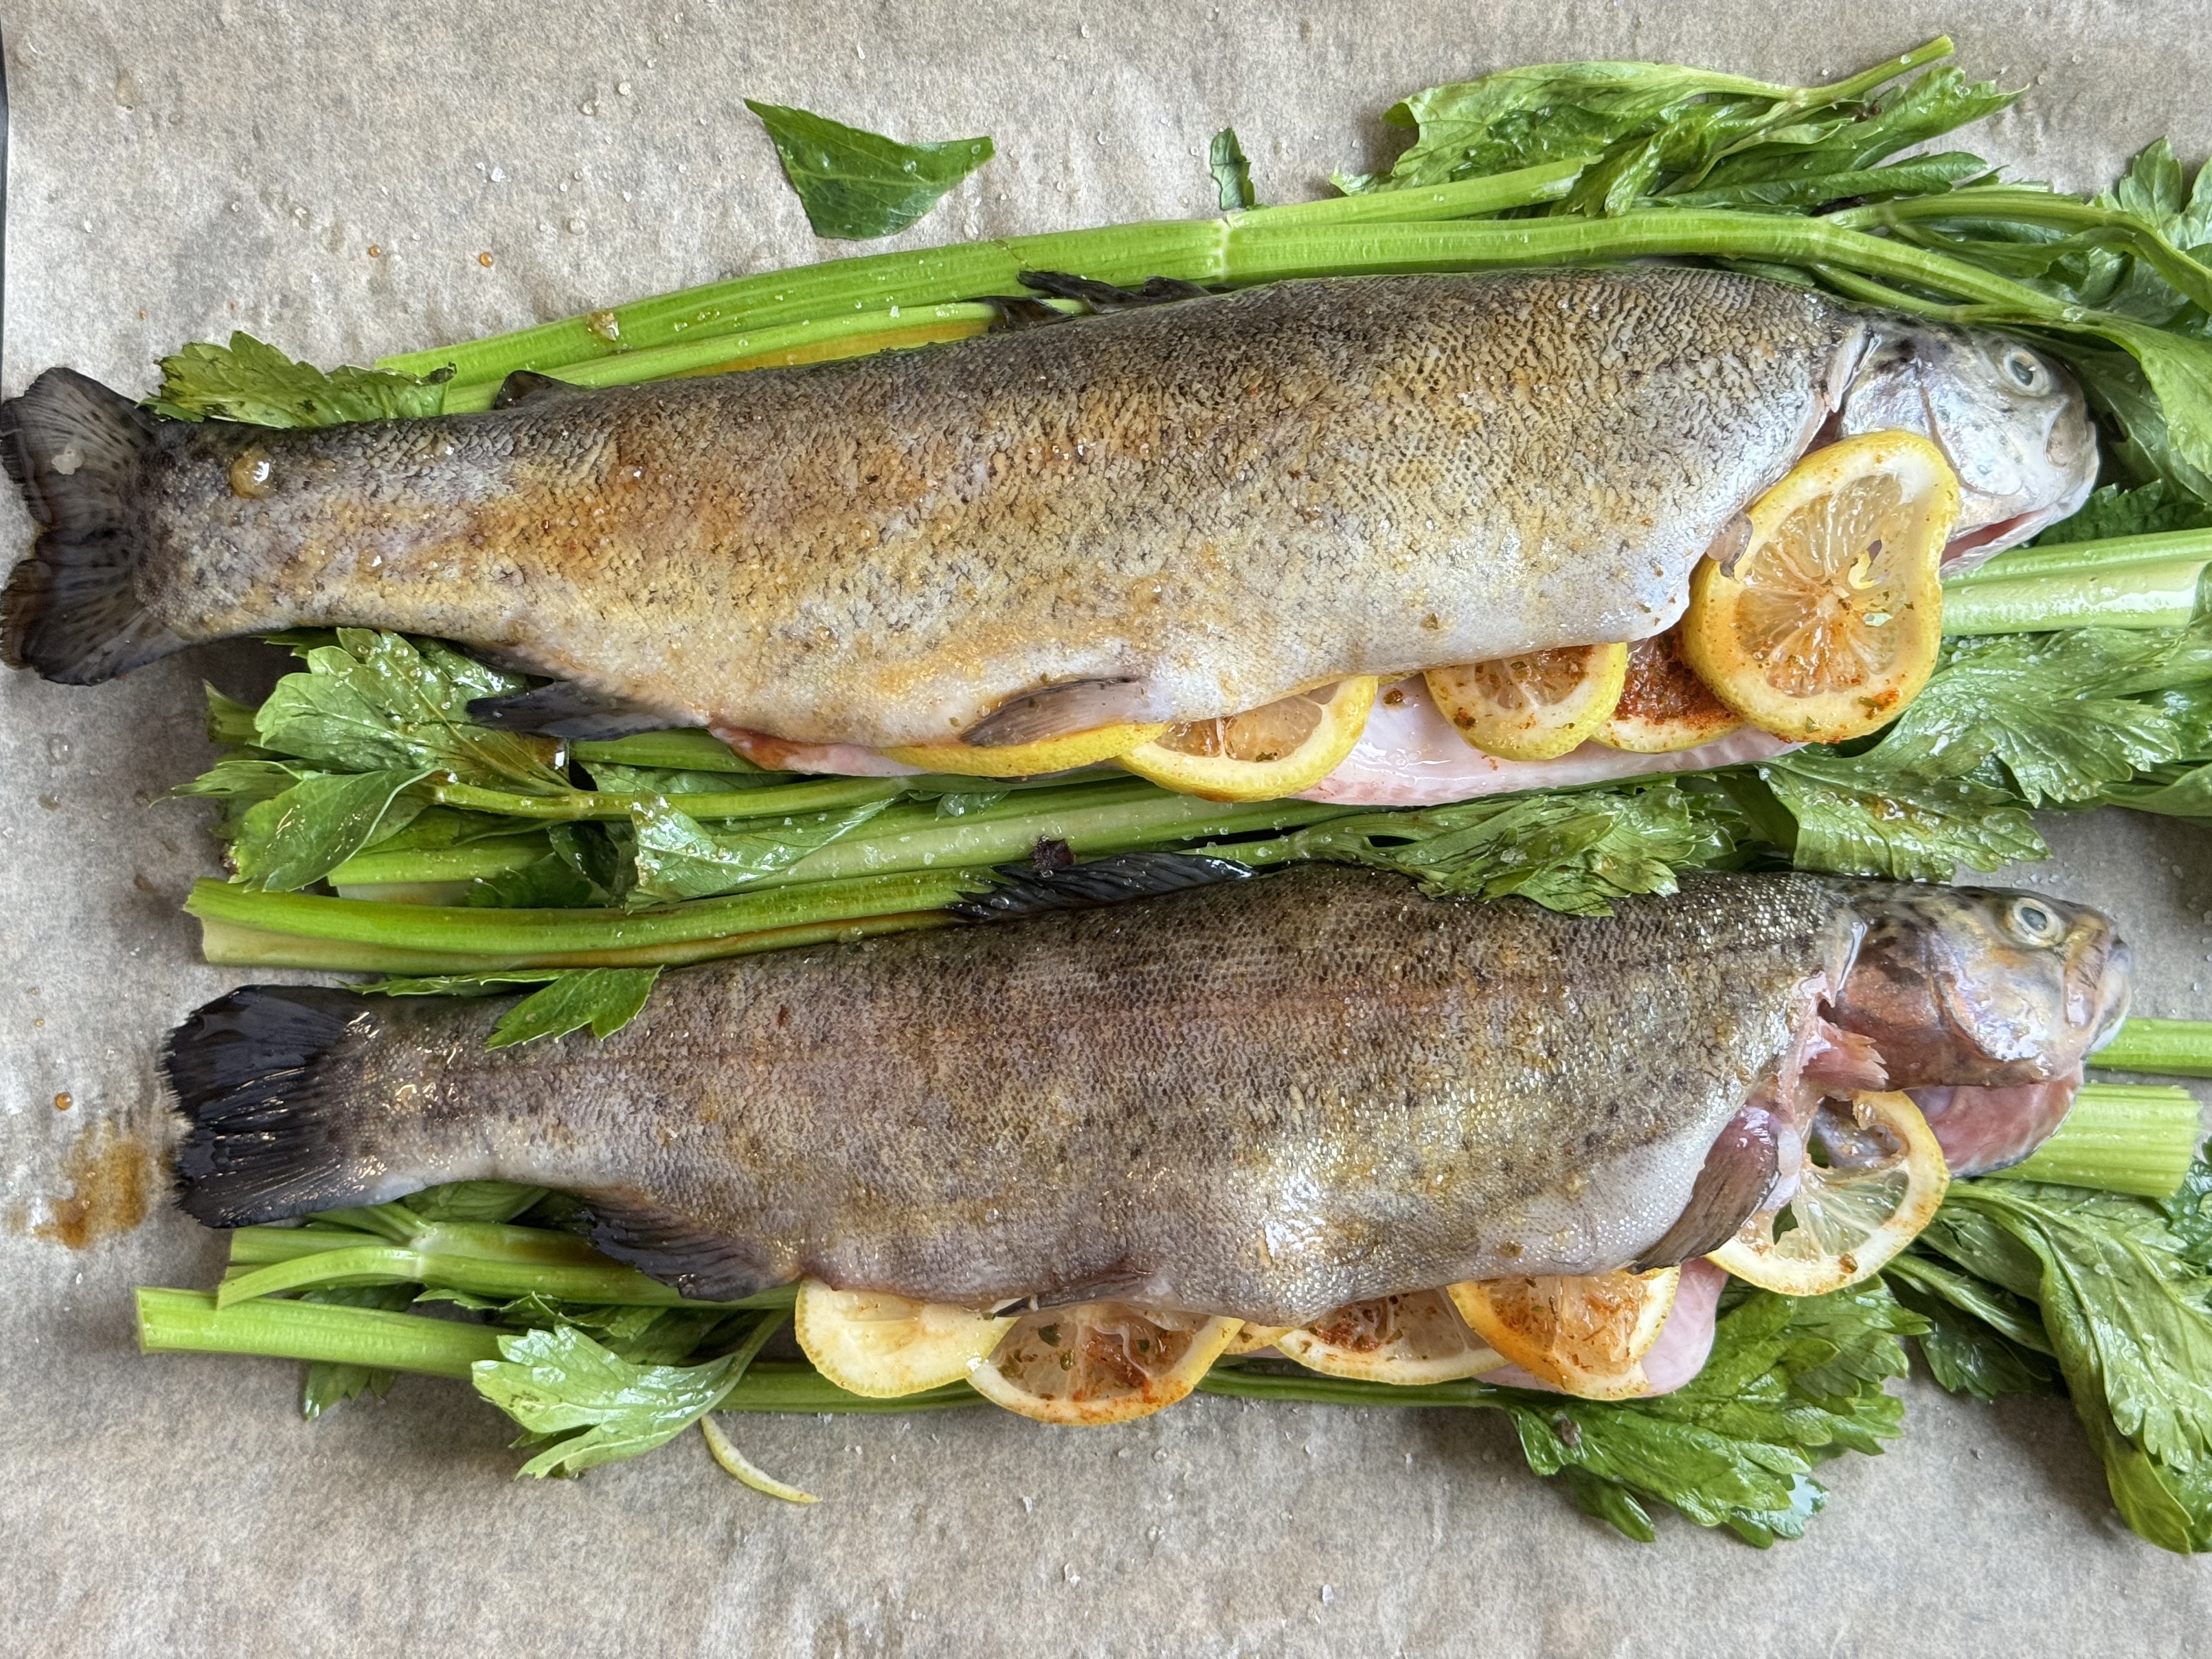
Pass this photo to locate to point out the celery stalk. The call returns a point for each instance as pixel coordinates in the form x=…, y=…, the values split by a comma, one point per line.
x=189, y=1322
x=2176, y=1047
x=503, y=1262
x=1195, y=250
x=2119, y=1138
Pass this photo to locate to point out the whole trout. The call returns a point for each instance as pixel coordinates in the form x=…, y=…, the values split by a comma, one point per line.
x=1166, y=513
x=1266, y=1100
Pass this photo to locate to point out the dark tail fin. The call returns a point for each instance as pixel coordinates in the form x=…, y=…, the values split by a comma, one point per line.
x=253, y=1074
x=71, y=609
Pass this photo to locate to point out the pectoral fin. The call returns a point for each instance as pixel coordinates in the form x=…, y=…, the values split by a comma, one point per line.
x=704, y=1266
x=566, y=709
x=1059, y=711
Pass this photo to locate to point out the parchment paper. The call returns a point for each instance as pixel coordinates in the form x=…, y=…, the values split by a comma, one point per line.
x=181, y=168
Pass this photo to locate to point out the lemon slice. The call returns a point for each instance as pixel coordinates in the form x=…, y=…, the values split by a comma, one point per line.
x=1410, y=1339
x=1099, y=1362
x=1535, y=706
x=1027, y=760
x=1289, y=745
x=872, y=1343
x=1883, y=1178
x=1250, y=1338
x=1585, y=1335
x=1663, y=706
x=1828, y=622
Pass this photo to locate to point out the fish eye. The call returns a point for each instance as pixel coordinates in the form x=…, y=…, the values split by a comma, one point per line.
x=2031, y=923
x=2025, y=370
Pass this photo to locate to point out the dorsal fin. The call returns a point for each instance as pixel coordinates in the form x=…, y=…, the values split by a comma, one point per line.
x=526, y=384
x=1106, y=296
x=1025, y=890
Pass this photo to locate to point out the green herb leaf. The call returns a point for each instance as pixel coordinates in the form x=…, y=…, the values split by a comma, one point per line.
x=1967, y=1355
x=1861, y=816
x=594, y=1406
x=1790, y=1382
x=2126, y=1311
x=679, y=858
x=374, y=701
x=550, y=883
x=1569, y=850
x=2053, y=708
x=248, y=381
x=2153, y=509
x=856, y=185
x=604, y=998
x=1232, y=171
x=302, y=835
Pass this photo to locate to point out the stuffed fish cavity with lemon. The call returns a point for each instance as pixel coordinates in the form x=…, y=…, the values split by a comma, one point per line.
x=1165, y=514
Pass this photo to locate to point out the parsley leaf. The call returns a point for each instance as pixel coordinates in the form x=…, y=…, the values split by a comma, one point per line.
x=2124, y=1305
x=593, y=1407
x=1571, y=850
x=856, y=185
x=1232, y=171
x=249, y=381
x=604, y=998
x=1858, y=816
x=679, y=858
x=1790, y=1382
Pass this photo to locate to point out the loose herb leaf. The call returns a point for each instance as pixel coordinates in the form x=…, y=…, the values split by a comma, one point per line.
x=301, y=835
x=1968, y=1356
x=604, y=998
x=593, y=1407
x=679, y=858
x=1232, y=171
x=2151, y=509
x=1861, y=816
x=855, y=184
x=249, y=381
x=550, y=883
x=2125, y=1308
x=376, y=701
x=1790, y=1382
x=1569, y=850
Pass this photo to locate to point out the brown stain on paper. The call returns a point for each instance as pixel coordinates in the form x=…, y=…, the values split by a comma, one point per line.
x=111, y=1175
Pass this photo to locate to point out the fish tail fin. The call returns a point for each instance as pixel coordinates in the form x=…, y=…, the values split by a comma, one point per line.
x=71, y=609
x=254, y=1075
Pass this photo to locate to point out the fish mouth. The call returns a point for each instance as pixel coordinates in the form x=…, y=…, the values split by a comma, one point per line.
x=1962, y=553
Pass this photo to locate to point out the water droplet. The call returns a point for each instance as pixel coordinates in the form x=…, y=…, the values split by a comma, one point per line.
x=498, y=175
x=621, y=89
x=605, y=324
x=58, y=749
x=1069, y=1573
x=589, y=106
x=575, y=227
x=1328, y=1594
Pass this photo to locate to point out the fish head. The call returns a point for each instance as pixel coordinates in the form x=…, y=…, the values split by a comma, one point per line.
x=2013, y=423
x=1973, y=986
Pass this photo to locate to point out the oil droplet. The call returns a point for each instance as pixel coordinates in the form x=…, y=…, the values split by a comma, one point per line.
x=605, y=324
x=63, y=1101
x=375, y=251
x=484, y=260
x=251, y=473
